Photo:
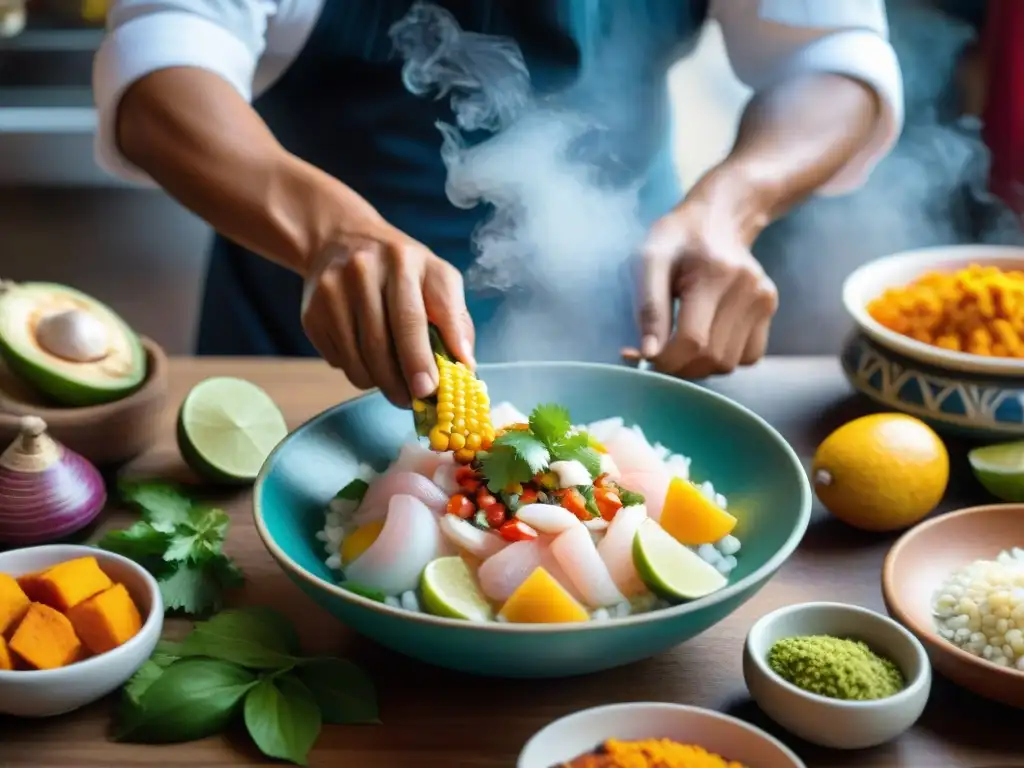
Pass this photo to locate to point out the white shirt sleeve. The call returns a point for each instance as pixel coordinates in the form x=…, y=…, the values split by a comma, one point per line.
x=770, y=40
x=246, y=42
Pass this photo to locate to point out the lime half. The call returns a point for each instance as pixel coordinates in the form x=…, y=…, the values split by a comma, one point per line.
x=670, y=569
x=226, y=429
x=1000, y=468
x=449, y=589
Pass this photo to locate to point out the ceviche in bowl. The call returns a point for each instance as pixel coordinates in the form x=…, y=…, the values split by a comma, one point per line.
x=559, y=519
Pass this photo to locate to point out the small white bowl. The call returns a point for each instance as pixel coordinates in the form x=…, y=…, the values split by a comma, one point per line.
x=832, y=722
x=49, y=692
x=582, y=732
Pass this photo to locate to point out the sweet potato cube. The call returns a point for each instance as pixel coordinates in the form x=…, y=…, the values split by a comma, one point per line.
x=66, y=585
x=6, y=662
x=32, y=585
x=13, y=603
x=106, y=620
x=45, y=638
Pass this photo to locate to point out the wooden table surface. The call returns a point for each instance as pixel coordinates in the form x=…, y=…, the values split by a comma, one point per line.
x=438, y=719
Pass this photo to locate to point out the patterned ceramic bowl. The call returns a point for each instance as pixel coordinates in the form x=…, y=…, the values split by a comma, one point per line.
x=956, y=392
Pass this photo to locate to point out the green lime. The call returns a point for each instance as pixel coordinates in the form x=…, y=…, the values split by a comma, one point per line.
x=1000, y=468
x=669, y=569
x=226, y=429
x=448, y=589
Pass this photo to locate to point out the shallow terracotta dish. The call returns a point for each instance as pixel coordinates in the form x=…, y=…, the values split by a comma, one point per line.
x=921, y=560
x=107, y=434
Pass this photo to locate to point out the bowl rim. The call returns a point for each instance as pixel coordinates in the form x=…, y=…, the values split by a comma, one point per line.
x=154, y=621
x=759, y=575
x=57, y=417
x=894, y=605
x=912, y=688
x=930, y=259
x=678, y=709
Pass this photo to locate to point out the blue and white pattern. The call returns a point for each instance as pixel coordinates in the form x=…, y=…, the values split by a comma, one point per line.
x=963, y=403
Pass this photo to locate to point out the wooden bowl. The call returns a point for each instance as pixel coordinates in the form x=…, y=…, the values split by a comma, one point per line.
x=108, y=434
x=922, y=559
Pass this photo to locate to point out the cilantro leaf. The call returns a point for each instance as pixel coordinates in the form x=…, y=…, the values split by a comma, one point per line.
x=528, y=448
x=550, y=423
x=590, y=501
x=354, y=491
x=139, y=542
x=503, y=466
x=192, y=589
x=576, y=447
x=163, y=505
x=630, y=498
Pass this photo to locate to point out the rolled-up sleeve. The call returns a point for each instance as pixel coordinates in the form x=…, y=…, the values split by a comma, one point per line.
x=771, y=40
x=226, y=37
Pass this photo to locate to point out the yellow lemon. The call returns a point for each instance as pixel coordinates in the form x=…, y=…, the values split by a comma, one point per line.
x=882, y=472
x=360, y=540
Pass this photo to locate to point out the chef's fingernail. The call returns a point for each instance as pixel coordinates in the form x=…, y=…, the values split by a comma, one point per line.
x=649, y=346
x=422, y=385
x=467, y=353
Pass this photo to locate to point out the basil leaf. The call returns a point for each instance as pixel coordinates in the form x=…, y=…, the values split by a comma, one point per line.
x=141, y=681
x=283, y=718
x=354, y=491
x=343, y=691
x=258, y=638
x=192, y=699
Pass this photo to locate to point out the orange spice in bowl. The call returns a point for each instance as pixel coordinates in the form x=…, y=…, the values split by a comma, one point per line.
x=650, y=753
x=978, y=310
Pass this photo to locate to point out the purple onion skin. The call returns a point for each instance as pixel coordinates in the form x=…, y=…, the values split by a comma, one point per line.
x=39, y=507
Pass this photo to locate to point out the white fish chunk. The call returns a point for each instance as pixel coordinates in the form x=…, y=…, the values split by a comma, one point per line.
x=504, y=414
x=376, y=502
x=501, y=574
x=575, y=551
x=416, y=457
x=570, y=473
x=471, y=539
x=547, y=518
x=616, y=550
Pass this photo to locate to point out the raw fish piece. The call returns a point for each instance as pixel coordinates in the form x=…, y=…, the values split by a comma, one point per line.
x=631, y=452
x=504, y=414
x=653, y=485
x=409, y=540
x=576, y=553
x=376, y=502
x=444, y=478
x=416, y=457
x=570, y=473
x=547, y=559
x=616, y=550
x=604, y=429
x=547, y=518
x=596, y=525
x=610, y=468
x=465, y=536
x=501, y=574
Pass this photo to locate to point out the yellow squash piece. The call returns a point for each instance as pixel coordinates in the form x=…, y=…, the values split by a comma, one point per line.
x=542, y=600
x=691, y=517
x=360, y=540
x=6, y=660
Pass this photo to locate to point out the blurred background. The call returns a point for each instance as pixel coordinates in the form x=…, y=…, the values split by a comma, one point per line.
x=63, y=219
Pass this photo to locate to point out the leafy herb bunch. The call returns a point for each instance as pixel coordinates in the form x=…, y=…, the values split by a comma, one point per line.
x=243, y=662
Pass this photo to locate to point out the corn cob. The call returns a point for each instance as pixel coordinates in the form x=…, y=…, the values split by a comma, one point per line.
x=457, y=417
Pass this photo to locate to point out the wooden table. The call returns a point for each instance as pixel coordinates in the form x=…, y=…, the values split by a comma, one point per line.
x=438, y=719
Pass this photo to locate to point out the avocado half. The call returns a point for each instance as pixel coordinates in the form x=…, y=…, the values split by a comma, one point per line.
x=88, y=356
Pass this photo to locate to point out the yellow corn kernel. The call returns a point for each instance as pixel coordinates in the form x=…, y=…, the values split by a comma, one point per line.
x=438, y=439
x=456, y=441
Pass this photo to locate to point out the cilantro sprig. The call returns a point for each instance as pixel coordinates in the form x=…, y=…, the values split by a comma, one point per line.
x=180, y=542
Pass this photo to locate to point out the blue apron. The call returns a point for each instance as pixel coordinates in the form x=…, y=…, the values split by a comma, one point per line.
x=342, y=107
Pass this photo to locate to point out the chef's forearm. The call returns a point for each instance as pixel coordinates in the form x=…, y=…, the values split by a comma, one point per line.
x=199, y=139
x=792, y=139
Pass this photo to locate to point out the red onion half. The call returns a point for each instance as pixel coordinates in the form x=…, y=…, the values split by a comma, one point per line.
x=47, y=492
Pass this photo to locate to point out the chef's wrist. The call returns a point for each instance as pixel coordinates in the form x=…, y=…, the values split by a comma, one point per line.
x=736, y=193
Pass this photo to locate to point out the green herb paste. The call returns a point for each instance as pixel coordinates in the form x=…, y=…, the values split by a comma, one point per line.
x=835, y=667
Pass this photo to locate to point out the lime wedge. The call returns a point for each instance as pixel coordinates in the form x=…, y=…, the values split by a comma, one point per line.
x=226, y=429
x=1000, y=468
x=449, y=589
x=670, y=569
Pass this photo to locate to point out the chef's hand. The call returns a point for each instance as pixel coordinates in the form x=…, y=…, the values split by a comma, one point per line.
x=726, y=301
x=366, y=304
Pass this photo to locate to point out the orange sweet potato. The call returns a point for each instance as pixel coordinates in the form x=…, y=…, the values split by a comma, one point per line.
x=45, y=638
x=13, y=603
x=6, y=662
x=32, y=585
x=66, y=585
x=107, y=620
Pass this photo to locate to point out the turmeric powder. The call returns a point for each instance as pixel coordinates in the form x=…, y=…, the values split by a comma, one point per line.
x=45, y=638
x=978, y=310
x=650, y=753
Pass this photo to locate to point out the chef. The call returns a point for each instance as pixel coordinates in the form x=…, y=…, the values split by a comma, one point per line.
x=286, y=125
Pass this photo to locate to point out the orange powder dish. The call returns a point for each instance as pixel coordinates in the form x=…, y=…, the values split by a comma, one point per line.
x=978, y=310
x=650, y=753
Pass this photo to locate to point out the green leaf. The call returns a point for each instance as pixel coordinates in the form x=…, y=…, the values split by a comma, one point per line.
x=587, y=492
x=360, y=589
x=528, y=448
x=167, y=652
x=550, y=423
x=255, y=638
x=630, y=498
x=584, y=454
x=138, y=542
x=503, y=467
x=192, y=589
x=180, y=548
x=192, y=699
x=227, y=573
x=354, y=491
x=140, y=682
x=343, y=690
x=283, y=718
x=163, y=505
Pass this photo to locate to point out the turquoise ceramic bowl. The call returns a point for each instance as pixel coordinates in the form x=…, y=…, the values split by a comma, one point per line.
x=740, y=453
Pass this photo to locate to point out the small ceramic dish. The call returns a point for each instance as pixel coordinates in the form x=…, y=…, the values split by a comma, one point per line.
x=108, y=434
x=582, y=732
x=830, y=722
x=922, y=559
x=49, y=692
x=961, y=393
